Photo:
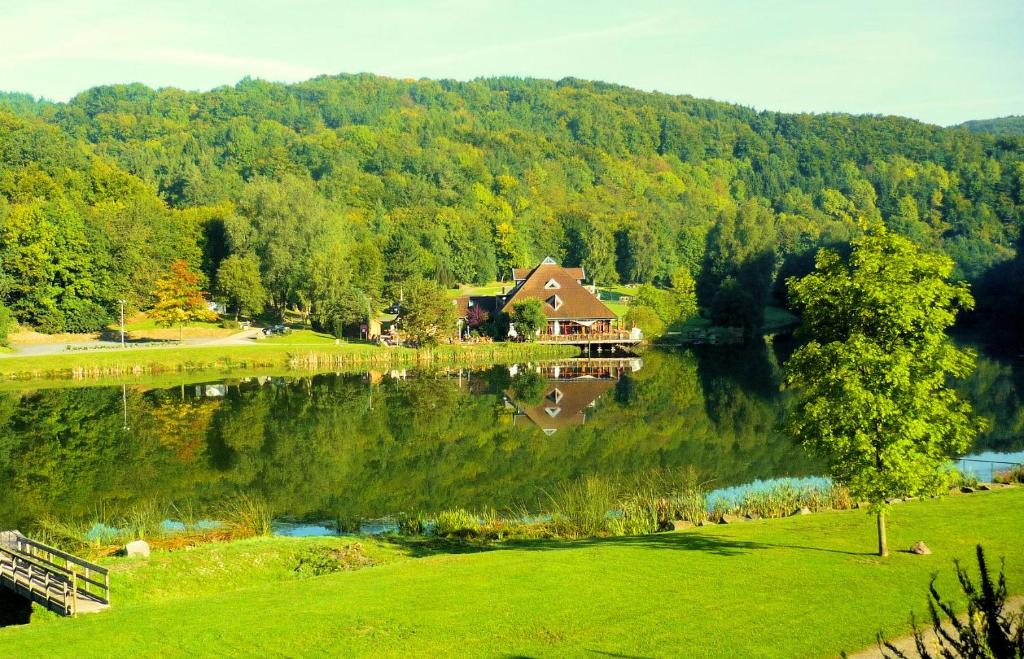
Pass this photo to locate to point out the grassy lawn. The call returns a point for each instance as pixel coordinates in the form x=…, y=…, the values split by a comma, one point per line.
x=492, y=288
x=299, y=337
x=263, y=354
x=799, y=587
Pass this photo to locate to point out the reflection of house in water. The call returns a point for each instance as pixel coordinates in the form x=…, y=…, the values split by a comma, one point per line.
x=211, y=390
x=569, y=389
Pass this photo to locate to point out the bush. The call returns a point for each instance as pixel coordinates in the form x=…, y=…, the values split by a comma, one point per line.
x=6, y=325
x=84, y=316
x=229, y=323
x=456, y=522
x=1014, y=475
x=317, y=560
x=988, y=629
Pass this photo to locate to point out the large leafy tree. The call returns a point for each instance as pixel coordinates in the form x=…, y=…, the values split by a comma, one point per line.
x=238, y=279
x=871, y=383
x=528, y=317
x=179, y=298
x=427, y=313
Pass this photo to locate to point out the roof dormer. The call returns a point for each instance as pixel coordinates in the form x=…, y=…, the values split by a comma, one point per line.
x=552, y=283
x=554, y=302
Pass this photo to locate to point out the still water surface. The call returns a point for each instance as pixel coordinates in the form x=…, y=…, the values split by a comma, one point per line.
x=356, y=447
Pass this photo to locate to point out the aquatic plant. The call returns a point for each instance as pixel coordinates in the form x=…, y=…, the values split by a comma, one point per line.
x=1013, y=475
x=580, y=508
x=246, y=516
x=456, y=522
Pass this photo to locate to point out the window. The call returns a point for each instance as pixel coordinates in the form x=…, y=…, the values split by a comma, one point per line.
x=552, y=284
x=555, y=302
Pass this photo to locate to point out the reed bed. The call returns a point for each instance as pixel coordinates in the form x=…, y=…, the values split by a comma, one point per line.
x=164, y=526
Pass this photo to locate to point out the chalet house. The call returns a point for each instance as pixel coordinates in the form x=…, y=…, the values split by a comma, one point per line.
x=571, y=308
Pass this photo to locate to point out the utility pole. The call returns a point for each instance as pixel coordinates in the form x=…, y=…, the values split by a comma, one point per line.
x=122, y=322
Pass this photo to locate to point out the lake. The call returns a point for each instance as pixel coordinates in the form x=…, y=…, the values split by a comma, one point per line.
x=347, y=448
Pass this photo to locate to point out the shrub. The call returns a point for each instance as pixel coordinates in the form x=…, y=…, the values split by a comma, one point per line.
x=229, y=323
x=1014, y=475
x=456, y=522
x=988, y=630
x=6, y=325
x=84, y=316
x=317, y=560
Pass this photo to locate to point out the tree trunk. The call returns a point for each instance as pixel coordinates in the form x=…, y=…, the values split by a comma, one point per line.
x=883, y=542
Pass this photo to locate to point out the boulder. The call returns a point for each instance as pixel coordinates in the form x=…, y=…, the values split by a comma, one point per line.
x=803, y=511
x=892, y=500
x=920, y=549
x=137, y=548
x=728, y=519
x=984, y=487
x=967, y=490
x=753, y=516
x=681, y=524
x=708, y=521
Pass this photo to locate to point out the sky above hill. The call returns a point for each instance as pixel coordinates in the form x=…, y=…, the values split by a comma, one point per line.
x=940, y=61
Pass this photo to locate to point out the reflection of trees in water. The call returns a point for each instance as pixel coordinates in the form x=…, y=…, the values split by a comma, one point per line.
x=351, y=445
x=997, y=390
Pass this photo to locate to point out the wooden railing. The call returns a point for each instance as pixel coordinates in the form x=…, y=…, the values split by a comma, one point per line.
x=584, y=337
x=55, y=579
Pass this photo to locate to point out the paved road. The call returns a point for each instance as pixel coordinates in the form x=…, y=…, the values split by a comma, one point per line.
x=241, y=338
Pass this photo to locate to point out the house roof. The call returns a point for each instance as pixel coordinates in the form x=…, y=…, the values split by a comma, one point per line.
x=563, y=403
x=576, y=302
x=519, y=274
x=463, y=303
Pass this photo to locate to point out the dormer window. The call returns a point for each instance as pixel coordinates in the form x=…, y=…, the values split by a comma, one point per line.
x=553, y=411
x=555, y=302
x=552, y=284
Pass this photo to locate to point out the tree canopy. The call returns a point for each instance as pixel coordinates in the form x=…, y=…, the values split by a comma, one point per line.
x=871, y=383
x=460, y=181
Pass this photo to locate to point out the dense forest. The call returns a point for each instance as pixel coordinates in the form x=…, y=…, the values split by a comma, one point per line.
x=1002, y=126
x=336, y=192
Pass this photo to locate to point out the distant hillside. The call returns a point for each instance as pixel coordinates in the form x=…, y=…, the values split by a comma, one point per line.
x=1013, y=125
x=343, y=189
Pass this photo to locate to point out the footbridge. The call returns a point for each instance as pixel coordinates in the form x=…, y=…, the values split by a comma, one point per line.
x=57, y=580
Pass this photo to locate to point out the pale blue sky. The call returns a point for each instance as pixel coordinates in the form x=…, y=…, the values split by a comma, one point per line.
x=940, y=61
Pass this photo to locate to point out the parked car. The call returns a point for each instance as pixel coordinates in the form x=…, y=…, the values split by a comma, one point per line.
x=276, y=329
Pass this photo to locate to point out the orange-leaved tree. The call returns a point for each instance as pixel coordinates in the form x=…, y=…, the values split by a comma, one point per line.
x=180, y=298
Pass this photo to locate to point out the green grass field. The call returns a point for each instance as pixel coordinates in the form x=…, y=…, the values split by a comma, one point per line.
x=803, y=586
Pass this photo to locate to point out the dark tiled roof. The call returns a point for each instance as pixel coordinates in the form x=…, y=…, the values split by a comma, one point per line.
x=577, y=302
x=486, y=302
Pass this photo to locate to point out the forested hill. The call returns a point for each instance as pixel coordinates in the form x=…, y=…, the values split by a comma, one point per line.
x=340, y=188
x=1002, y=126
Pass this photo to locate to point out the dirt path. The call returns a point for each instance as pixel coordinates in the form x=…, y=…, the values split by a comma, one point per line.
x=905, y=644
x=36, y=349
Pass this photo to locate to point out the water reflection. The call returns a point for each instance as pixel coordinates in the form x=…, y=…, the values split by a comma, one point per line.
x=346, y=447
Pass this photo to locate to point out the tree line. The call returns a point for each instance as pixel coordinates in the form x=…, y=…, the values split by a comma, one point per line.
x=333, y=196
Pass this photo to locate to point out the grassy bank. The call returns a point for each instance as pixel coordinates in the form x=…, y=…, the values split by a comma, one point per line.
x=796, y=587
x=264, y=354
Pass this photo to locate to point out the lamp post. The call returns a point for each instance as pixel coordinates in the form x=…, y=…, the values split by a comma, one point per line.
x=122, y=322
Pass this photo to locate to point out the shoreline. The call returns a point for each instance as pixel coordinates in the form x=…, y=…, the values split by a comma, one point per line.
x=134, y=362
x=231, y=588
